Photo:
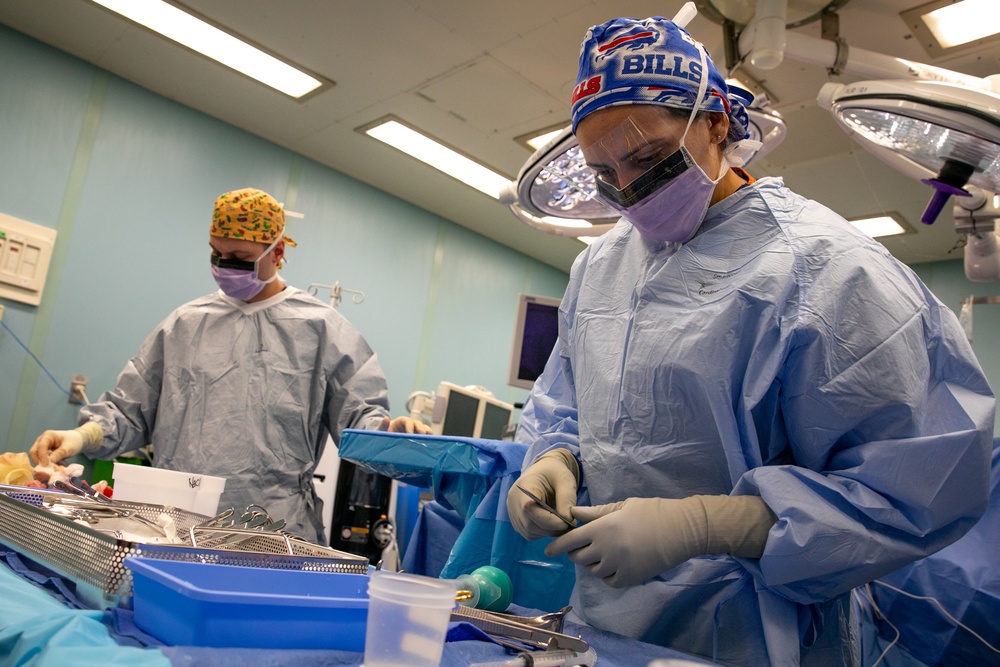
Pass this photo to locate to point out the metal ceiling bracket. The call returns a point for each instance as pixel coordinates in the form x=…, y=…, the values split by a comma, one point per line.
x=731, y=41
x=830, y=31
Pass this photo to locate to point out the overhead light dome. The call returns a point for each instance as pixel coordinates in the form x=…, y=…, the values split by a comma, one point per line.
x=951, y=131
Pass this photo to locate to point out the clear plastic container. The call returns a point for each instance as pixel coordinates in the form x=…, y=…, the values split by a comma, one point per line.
x=407, y=619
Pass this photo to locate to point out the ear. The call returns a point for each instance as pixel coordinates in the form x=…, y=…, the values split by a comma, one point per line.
x=718, y=127
x=279, y=251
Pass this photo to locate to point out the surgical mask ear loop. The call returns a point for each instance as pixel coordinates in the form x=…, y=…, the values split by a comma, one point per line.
x=702, y=89
x=256, y=262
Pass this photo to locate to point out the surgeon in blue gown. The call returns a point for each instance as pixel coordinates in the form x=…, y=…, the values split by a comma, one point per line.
x=752, y=408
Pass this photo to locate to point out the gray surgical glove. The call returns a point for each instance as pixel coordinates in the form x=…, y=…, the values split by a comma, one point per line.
x=54, y=446
x=628, y=542
x=554, y=478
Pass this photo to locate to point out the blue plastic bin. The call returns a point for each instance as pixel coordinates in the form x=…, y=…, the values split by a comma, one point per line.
x=200, y=604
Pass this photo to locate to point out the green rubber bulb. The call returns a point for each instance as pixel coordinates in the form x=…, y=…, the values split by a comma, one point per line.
x=491, y=588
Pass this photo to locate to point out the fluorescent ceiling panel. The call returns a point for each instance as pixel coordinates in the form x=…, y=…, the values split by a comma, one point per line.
x=882, y=225
x=439, y=156
x=206, y=39
x=964, y=22
x=542, y=139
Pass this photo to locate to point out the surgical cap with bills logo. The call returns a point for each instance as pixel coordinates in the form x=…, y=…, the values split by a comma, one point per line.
x=249, y=215
x=650, y=61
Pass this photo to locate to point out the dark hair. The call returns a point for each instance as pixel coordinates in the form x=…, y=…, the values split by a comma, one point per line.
x=684, y=114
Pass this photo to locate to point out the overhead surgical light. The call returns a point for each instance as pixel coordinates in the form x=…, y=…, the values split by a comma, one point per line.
x=938, y=126
x=950, y=130
x=976, y=216
x=555, y=191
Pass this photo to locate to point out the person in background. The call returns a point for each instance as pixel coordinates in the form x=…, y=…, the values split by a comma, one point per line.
x=752, y=408
x=244, y=383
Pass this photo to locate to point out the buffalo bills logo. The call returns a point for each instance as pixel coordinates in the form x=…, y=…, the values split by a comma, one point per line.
x=637, y=38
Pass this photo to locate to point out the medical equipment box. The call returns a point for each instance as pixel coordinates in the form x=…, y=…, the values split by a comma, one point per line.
x=203, y=604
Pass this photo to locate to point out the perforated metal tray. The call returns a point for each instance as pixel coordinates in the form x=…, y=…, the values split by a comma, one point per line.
x=94, y=560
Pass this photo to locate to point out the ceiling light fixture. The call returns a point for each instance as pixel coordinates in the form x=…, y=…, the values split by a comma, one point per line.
x=541, y=136
x=940, y=126
x=432, y=152
x=963, y=22
x=544, y=138
x=887, y=224
x=208, y=40
x=946, y=27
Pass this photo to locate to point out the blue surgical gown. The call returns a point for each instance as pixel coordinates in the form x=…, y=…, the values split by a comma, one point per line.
x=249, y=392
x=779, y=353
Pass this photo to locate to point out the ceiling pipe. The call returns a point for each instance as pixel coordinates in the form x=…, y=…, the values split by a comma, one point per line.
x=769, y=21
x=761, y=36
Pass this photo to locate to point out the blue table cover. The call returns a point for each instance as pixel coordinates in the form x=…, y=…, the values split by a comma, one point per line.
x=42, y=624
x=472, y=477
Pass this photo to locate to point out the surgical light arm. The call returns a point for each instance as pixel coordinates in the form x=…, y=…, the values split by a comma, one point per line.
x=765, y=42
x=976, y=216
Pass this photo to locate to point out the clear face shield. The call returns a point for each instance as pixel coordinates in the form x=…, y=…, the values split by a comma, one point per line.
x=632, y=162
x=645, y=171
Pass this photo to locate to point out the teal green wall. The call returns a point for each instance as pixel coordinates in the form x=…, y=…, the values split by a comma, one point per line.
x=128, y=179
x=948, y=282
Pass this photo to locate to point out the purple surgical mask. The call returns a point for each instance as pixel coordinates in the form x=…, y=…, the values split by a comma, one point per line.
x=676, y=211
x=241, y=283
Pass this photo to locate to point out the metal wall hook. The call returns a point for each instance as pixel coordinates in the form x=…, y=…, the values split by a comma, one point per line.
x=335, y=293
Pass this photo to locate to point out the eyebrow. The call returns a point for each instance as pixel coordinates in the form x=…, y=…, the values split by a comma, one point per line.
x=235, y=253
x=628, y=156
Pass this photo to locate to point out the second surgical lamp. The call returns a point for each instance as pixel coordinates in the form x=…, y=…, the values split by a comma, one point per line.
x=932, y=124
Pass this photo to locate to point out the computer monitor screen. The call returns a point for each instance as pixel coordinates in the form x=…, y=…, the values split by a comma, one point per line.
x=536, y=330
x=495, y=420
x=469, y=413
x=460, y=415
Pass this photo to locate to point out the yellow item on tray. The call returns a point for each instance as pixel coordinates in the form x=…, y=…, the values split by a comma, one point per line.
x=15, y=469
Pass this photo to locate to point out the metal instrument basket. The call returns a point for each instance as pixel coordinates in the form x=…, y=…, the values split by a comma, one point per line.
x=94, y=560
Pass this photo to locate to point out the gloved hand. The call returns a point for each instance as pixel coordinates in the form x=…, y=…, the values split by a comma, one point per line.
x=404, y=425
x=54, y=446
x=628, y=542
x=555, y=478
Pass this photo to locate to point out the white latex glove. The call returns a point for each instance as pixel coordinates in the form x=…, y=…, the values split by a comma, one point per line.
x=404, y=425
x=54, y=446
x=628, y=542
x=555, y=478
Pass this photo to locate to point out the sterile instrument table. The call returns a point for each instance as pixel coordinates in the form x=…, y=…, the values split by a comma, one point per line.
x=38, y=621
